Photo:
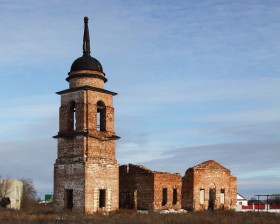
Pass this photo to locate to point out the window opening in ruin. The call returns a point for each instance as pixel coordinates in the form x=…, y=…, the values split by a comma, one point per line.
x=212, y=198
x=73, y=116
x=102, y=197
x=201, y=196
x=222, y=196
x=164, y=196
x=175, y=194
x=69, y=199
x=101, y=116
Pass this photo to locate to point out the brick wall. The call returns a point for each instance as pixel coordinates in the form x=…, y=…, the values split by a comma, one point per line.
x=82, y=80
x=136, y=187
x=86, y=174
x=209, y=178
x=171, y=182
x=69, y=176
x=101, y=177
x=187, y=190
x=142, y=188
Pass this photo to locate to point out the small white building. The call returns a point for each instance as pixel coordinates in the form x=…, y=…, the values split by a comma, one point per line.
x=12, y=189
x=241, y=200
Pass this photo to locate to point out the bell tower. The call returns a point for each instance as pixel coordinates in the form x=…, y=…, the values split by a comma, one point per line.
x=86, y=175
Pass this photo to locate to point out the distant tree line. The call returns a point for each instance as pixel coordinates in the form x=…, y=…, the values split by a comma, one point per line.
x=274, y=199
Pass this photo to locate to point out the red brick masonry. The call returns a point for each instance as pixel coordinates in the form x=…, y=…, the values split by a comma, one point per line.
x=205, y=186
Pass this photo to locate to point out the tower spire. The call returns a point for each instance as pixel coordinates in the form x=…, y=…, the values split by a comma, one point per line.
x=86, y=40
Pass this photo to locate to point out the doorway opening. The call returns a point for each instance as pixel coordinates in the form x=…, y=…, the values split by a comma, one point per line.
x=212, y=198
x=102, y=198
x=69, y=199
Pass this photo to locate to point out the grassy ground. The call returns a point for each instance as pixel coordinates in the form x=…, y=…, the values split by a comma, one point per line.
x=45, y=215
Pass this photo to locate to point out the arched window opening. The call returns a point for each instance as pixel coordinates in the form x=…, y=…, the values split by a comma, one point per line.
x=101, y=116
x=73, y=116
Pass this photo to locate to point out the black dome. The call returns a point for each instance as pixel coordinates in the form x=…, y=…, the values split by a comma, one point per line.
x=86, y=62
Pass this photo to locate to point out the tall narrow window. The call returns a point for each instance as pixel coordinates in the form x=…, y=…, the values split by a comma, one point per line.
x=175, y=194
x=164, y=196
x=72, y=119
x=102, y=198
x=222, y=196
x=201, y=196
x=69, y=198
x=101, y=116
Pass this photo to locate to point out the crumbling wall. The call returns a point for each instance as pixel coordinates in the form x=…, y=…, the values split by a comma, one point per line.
x=142, y=188
x=173, y=185
x=136, y=187
x=213, y=187
x=233, y=192
x=187, y=190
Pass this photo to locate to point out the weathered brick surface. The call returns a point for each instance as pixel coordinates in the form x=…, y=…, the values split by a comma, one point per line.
x=83, y=81
x=102, y=152
x=170, y=181
x=145, y=187
x=68, y=176
x=187, y=190
x=138, y=183
x=86, y=163
x=206, y=176
x=86, y=115
x=98, y=177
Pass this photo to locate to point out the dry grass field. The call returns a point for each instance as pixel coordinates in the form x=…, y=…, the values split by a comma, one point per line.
x=43, y=214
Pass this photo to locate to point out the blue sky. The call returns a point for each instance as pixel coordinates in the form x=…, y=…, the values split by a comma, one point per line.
x=197, y=80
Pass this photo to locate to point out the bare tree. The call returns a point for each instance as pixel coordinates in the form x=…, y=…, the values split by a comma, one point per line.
x=28, y=194
x=274, y=199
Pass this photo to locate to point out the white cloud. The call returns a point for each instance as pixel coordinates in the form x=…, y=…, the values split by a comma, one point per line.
x=255, y=115
x=199, y=90
x=138, y=153
x=33, y=117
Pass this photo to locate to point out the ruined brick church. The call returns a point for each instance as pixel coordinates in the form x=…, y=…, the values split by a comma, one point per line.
x=87, y=177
